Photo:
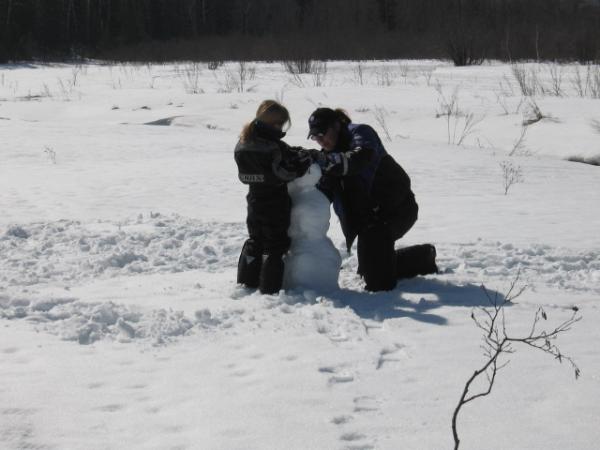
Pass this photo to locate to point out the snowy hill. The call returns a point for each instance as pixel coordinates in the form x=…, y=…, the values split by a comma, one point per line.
x=121, y=221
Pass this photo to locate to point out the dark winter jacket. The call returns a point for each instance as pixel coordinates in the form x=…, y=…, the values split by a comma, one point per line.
x=375, y=187
x=266, y=164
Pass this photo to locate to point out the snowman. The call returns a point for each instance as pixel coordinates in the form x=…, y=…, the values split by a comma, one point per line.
x=313, y=262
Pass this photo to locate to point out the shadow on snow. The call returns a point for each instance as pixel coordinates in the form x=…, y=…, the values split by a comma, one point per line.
x=416, y=299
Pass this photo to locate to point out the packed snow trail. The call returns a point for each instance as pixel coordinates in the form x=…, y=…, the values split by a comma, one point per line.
x=71, y=252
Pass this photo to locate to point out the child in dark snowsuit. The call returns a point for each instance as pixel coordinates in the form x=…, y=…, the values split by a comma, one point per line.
x=266, y=164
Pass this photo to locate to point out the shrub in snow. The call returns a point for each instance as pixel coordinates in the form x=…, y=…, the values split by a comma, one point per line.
x=527, y=80
x=190, y=78
x=459, y=125
x=498, y=343
x=299, y=66
x=511, y=174
x=214, y=65
x=238, y=80
x=381, y=115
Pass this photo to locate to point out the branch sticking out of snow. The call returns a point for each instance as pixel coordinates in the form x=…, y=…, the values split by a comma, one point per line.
x=498, y=342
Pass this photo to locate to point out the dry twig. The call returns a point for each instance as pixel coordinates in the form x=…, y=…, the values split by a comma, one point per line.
x=498, y=342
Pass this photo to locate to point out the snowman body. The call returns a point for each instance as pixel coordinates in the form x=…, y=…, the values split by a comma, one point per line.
x=313, y=262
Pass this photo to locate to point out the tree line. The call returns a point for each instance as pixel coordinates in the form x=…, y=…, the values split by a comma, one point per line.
x=157, y=30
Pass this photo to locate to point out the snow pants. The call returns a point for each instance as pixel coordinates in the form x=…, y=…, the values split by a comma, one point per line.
x=381, y=264
x=261, y=260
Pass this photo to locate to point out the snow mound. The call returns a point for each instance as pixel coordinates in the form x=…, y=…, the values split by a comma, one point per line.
x=86, y=323
x=591, y=160
x=167, y=121
x=69, y=251
x=18, y=232
x=554, y=266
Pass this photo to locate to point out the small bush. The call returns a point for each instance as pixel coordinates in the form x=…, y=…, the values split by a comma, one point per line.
x=214, y=65
x=511, y=174
x=300, y=66
x=528, y=80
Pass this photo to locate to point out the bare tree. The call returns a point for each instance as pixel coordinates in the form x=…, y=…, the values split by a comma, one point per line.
x=498, y=342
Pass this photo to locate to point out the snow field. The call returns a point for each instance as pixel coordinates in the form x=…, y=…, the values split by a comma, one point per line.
x=120, y=322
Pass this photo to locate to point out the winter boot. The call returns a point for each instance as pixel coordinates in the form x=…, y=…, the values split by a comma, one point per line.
x=416, y=260
x=271, y=274
x=249, y=264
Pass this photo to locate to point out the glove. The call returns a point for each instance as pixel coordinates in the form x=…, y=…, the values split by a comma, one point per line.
x=318, y=157
x=298, y=160
x=331, y=163
x=327, y=185
x=301, y=164
x=336, y=164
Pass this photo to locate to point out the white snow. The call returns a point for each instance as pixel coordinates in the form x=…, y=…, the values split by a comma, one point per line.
x=121, y=325
x=313, y=262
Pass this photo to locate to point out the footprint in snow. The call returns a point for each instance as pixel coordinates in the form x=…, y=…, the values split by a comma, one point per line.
x=337, y=375
x=352, y=436
x=110, y=408
x=21, y=412
x=153, y=410
x=10, y=350
x=16, y=427
x=242, y=373
x=341, y=378
x=341, y=420
x=359, y=447
x=365, y=404
x=393, y=353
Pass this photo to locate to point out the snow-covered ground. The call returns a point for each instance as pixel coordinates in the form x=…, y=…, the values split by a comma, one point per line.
x=120, y=322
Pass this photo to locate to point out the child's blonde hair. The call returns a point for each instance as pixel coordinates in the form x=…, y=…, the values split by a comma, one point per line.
x=268, y=111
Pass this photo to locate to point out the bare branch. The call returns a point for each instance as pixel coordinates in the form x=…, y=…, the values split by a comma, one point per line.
x=497, y=342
